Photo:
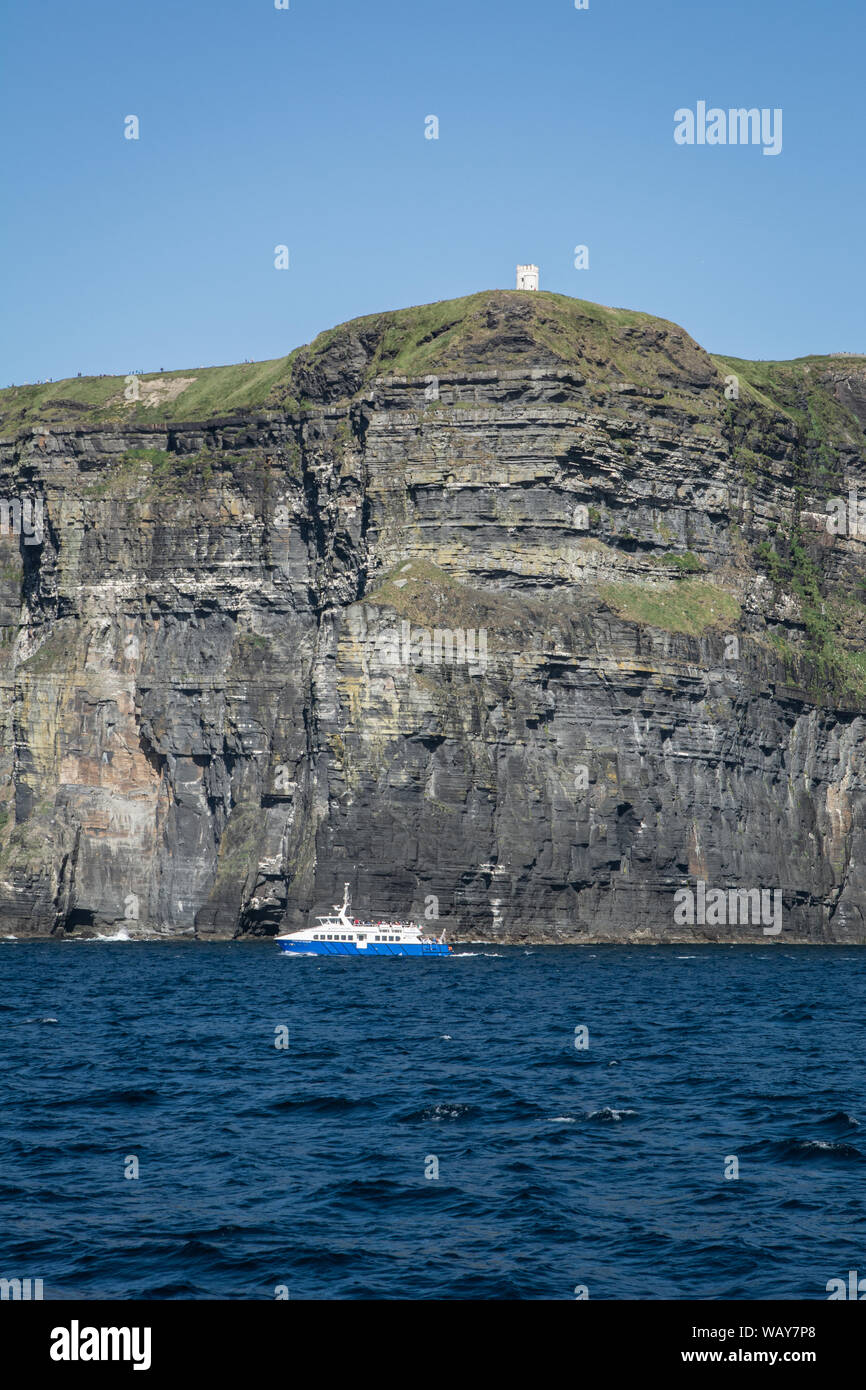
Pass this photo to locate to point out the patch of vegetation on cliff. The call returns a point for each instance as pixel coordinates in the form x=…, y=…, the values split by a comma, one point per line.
x=424, y=594
x=825, y=662
x=151, y=473
x=686, y=562
x=56, y=653
x=689, y=606
x=179, y=472
x=122, y=474
x=801, y=389
x=815, y=442
x=834, y=669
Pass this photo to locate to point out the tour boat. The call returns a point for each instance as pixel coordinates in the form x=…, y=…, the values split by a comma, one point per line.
x=337, y=934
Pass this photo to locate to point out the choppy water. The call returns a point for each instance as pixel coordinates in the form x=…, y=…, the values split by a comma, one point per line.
x=305, y=1167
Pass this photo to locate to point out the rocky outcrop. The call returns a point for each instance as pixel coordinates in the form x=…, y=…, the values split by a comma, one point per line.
x=501, y=610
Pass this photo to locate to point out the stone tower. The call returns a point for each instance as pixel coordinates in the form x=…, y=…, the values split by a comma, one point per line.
x=527, y=277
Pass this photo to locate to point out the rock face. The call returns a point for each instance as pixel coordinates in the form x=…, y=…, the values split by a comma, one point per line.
x=515, y=612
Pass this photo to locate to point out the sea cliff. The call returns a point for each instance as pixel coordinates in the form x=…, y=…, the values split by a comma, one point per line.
x=518, y=613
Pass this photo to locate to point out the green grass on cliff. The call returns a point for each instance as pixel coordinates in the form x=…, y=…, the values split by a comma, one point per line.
x=423, y=594
x=493, y=328
x=433, y=337
x=205, y=392
x=799, y=390
x=829, y=656
x=689, y=606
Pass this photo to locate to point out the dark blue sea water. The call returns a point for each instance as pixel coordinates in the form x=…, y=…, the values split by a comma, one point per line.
x=305, y=1166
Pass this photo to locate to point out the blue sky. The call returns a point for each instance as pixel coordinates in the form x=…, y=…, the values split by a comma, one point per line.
x=305, y=127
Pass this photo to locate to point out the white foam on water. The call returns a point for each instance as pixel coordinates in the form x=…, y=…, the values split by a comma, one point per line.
x=462, y=955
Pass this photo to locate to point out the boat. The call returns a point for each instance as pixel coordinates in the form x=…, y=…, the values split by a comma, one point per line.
x=338, y=934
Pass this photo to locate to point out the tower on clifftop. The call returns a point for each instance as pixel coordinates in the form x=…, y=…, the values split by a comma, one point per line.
x=527, y=277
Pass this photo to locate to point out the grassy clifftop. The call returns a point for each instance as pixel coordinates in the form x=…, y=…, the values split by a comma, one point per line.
x=191, y=394
x=494, y=329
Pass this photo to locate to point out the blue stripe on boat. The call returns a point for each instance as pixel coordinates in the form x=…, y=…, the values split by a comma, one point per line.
x=374, y=948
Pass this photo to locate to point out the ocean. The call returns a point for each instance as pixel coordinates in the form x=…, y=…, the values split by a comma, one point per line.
x=207, y=1121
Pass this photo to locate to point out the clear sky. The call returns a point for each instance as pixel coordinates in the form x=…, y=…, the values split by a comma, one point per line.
x=306, y=127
